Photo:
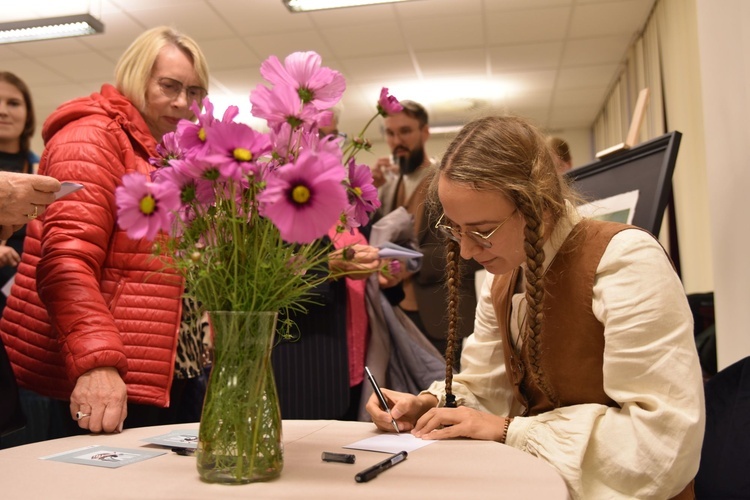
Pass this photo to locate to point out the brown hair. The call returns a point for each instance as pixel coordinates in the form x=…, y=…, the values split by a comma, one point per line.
x=509, y=156
x=560, y=148
x=415, y=110
x=30, y=125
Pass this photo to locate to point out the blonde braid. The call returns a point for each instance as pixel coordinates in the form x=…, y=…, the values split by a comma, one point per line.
x=452, y=268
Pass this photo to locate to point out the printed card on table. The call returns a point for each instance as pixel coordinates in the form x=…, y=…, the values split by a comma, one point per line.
x=104, y=456
x=180, y=438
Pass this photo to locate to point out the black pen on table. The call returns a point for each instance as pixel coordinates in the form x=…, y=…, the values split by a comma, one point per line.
x=379, y=393
x=372, y=472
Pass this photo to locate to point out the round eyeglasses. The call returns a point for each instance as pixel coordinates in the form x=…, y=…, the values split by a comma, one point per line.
x=481, y=239
x=172, y=89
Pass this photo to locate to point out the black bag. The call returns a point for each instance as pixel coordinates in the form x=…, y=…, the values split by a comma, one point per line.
x=11, y=416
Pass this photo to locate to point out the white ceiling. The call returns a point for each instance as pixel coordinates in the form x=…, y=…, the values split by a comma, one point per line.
x=549, y=60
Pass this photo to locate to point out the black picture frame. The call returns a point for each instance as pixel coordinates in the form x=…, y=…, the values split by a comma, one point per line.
x=647, y=168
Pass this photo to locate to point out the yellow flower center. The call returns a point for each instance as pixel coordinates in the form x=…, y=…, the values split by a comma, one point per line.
x=300, y=194
x=358, y=191
x=147, y=205
x=202, y=134
x=242, y=154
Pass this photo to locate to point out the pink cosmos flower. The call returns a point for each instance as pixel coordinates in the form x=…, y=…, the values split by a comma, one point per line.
x=394, y=267
x=304, y=199
x=388, y=104
x=144, y=208
x=321, y=86
x=192, y=135
x=282, y=105
x=285, y=141
x=168, y=150
x=197, y=167
x=185, y=185
x=203, y=172
x=235, y=149
x=363, y=194
x=347, y=219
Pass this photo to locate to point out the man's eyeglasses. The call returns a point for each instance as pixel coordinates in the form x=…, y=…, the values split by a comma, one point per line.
x=481, y=239
x=172, y=89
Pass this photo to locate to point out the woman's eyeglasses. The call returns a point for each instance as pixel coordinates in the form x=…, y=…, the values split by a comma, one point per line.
x=481, y=239
x=173, y=88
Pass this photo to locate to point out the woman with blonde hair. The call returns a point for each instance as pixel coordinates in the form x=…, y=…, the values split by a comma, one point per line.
x=93, y=318
x=582, y=352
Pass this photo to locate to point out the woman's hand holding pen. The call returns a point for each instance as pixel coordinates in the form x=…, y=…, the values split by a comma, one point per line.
x=420, y=415
x=405, y=409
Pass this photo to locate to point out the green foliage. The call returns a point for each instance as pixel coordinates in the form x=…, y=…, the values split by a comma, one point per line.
x=232, y=262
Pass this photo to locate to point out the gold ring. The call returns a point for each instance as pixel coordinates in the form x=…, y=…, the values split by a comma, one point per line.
x=35, y=214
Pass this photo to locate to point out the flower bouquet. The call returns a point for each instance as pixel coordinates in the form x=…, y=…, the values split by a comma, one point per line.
x=242, y=214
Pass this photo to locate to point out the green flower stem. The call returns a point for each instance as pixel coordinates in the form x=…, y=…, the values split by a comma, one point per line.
x=351, y=149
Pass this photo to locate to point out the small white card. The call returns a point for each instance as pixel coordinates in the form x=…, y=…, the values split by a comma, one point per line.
x=180, y=438
x=67, y=188
x=393, y=251
x=390, y=443
x=104, y=456
x=7, y=286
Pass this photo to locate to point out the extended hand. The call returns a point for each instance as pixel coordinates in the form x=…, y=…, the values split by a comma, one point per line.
x=356, y=261
x=102, y=395
x=445, y=423
x=24, y=197
x=9, y=256
x=381, y=169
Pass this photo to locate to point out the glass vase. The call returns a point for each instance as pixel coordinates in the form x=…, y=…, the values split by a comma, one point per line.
x=239, y=440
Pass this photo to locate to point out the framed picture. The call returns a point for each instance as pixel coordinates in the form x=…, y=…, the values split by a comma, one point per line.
x=632, y=185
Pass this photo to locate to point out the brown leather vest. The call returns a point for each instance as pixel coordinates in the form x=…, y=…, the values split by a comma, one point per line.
x=414, y=206
x=571, y=342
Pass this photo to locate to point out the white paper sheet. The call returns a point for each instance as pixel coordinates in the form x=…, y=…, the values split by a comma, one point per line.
x=390, y=443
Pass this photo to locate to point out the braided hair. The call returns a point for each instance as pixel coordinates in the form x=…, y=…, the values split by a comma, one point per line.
x=507, y=155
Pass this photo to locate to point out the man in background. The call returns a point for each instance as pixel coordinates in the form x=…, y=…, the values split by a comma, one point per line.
x=403, y=181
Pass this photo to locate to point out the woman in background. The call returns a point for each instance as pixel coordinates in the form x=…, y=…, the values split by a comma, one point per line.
x=17, y=125
x=103, y=319
x=582, y=352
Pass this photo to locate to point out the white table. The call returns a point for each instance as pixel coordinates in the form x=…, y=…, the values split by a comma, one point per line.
x=452, y=469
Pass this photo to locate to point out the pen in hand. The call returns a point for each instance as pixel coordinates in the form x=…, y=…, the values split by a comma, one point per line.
x=381, y=398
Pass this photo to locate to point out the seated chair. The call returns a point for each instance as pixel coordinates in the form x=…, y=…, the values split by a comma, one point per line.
x=725, y=459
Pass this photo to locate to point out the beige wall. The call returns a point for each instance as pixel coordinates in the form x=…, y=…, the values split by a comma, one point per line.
x=723, y=29
x=681, y=75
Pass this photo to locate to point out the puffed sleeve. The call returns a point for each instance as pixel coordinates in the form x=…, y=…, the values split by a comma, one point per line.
x=483, y=383
x=649, y=446
x=77, y=235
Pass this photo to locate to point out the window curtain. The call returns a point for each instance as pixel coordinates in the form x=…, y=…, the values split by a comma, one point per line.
x=665, y=59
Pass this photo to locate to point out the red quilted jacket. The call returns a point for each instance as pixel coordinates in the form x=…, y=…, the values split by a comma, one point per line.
x=85, y=294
